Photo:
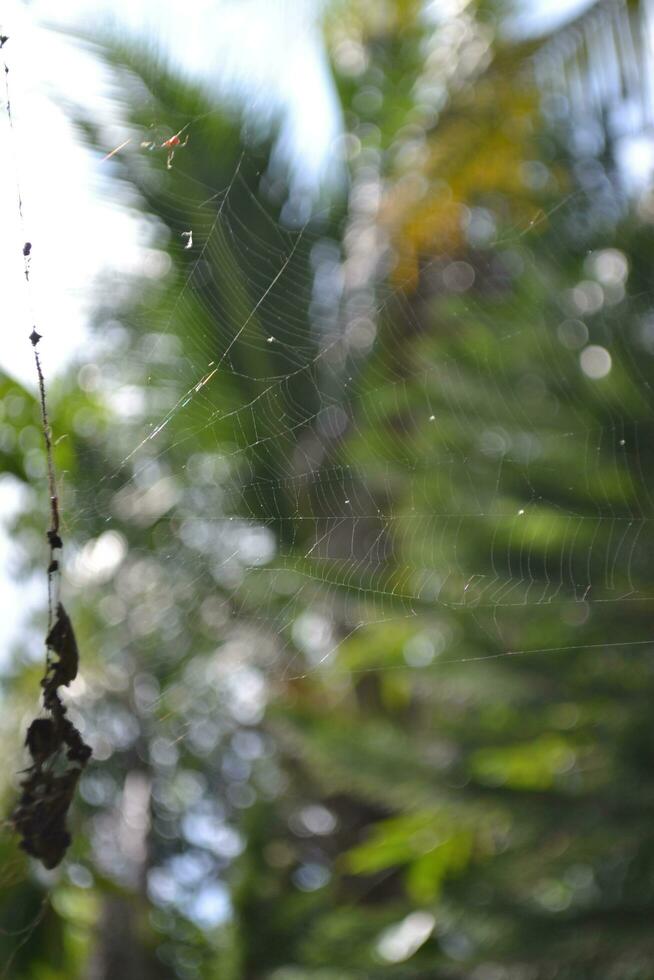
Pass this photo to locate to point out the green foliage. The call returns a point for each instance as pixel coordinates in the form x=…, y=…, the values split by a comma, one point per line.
x=429, y=843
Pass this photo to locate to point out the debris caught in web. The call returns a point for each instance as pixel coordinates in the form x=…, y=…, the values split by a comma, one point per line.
x=27, y=252
x=59, y=754
x=116, y=149
x=189, y=236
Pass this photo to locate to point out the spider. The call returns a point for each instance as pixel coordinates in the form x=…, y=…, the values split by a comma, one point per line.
x=171, y=145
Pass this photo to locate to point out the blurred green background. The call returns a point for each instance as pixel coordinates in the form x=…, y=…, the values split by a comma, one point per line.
x=357, y=497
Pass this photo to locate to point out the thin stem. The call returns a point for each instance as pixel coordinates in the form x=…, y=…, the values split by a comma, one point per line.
x=53, y=535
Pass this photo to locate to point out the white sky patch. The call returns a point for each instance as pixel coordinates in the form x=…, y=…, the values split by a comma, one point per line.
x=401, y=941
x=75, y=227
x=635, y=154
x=210, y=905
x=18, y=600
x=99, y=559
x=534, y=18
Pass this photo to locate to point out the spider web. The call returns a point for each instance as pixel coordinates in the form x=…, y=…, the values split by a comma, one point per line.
x=359, y=530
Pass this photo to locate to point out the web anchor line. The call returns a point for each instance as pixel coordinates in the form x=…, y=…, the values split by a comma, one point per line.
x=58, y=751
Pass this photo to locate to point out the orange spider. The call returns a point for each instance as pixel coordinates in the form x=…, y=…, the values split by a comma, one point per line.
x=171, y=145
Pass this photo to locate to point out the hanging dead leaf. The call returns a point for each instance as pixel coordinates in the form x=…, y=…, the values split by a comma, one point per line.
x=42, y=739
x=40, y=817
x=61, y=640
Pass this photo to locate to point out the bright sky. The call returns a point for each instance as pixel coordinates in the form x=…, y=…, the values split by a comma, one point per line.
x=265, y=51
